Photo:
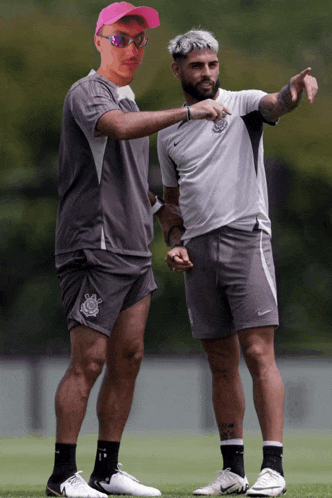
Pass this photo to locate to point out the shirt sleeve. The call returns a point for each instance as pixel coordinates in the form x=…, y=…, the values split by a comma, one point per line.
x=88, y=101
x=168, y=169
x=252, y=99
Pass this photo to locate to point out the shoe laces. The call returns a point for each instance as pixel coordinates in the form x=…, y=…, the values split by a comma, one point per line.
x=126, y=473
x=222, y=474
x=77, y=480
x=266, y=475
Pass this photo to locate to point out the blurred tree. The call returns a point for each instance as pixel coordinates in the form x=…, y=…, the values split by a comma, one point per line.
x=48, y=46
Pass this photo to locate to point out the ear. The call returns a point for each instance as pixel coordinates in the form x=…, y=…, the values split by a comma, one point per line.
x=97, y=41
x=175, y=66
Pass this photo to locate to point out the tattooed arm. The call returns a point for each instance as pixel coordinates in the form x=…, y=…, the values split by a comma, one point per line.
x=275, y=105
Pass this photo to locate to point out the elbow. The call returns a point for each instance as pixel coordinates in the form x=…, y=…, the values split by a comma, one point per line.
x=114, y=126
x=121, y=132
x=117, y=132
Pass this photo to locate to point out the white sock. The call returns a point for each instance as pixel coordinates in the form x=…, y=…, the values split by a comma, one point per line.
x=273, y=443
x=227, y=442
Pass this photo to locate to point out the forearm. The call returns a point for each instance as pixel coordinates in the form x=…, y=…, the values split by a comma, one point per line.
x=152, y=198
x=285, y=100
x=175, y=236
x=170, y=217
x=130, y=125
x=275, y=105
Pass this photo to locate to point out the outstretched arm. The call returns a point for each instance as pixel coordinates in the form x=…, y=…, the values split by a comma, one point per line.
x=129, y=125
x=275, y=105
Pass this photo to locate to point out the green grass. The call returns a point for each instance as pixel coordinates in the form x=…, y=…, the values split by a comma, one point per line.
x=174, y=464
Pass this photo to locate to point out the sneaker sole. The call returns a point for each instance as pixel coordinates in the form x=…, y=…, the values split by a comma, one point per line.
x=242, y=492
x=256, y=495
x=51, y=492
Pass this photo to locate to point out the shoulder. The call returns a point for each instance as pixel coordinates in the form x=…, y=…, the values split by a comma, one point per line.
x=93, y=83
x=242, y=102
x=241, y=95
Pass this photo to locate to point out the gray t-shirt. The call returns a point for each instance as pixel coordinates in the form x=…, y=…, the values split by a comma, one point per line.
x=103, y=183
x=219, y=167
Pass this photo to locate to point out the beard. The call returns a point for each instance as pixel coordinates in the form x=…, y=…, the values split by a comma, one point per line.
x=199, y=94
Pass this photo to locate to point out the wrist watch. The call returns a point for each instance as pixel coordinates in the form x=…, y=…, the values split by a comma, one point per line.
x=158, y=205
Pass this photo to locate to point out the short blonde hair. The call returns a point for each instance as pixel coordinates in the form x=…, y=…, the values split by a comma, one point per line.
x=196, y=39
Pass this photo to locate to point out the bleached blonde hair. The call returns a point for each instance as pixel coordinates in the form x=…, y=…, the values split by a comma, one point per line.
x=195, y=39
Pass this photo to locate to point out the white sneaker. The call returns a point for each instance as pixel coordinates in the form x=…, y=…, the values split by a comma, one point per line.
x=225, y=484
x=122, y=483
x=73, y=487
x=269, y=483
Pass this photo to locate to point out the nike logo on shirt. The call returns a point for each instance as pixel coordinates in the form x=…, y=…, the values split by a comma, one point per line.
x=261, y=313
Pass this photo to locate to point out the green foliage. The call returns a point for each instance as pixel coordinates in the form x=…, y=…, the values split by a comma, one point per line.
x=302, y=243
x=47, y=45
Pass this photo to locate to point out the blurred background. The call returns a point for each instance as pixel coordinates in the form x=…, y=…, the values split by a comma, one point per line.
x=47, y=45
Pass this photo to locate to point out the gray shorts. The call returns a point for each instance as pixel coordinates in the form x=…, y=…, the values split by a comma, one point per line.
x=97, y=285
x=232, y=284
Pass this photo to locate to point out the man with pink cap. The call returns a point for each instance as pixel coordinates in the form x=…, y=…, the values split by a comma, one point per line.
x=103, y=260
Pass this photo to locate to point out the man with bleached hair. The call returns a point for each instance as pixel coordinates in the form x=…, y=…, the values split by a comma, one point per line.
x=103, y=259
x=215, y=172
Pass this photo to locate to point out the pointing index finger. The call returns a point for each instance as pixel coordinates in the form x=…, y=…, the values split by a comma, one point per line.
x=304, y=73
x=225, y=109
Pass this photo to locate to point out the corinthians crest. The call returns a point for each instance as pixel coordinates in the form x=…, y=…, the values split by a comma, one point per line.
x=220, y=125
x=90, y=305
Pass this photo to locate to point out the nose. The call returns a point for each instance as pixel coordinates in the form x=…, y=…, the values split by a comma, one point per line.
x=131, y=50
x=206, y=71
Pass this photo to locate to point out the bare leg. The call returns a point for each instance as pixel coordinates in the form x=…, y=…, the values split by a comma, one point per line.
x=268, y=389
x=124, y=356
x=88, y=356
x=228, y=397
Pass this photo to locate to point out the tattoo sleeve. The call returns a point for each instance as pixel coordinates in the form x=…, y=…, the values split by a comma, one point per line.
x=273, y=106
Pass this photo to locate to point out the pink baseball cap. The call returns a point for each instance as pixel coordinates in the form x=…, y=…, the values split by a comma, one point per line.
x=116, y=10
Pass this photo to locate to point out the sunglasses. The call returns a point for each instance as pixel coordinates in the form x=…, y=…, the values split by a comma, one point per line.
x=122, y=41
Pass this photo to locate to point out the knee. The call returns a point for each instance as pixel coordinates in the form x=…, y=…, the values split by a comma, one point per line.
x=132, y=355
x=89, y=367
x=259, y=359
x=125, y=360
x=224, y=363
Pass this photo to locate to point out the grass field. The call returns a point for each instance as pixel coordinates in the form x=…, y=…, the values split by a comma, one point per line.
x=174, y=464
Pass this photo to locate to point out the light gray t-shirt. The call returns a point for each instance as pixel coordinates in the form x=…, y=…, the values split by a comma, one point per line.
x=219, y=167
x=103, y=183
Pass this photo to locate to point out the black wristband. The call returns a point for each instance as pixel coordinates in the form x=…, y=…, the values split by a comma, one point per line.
x=189, y=118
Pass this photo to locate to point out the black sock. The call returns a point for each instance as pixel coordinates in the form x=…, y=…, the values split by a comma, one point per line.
x=106, y=463
x=272, y=458
x=64, y=462
x=233, y=458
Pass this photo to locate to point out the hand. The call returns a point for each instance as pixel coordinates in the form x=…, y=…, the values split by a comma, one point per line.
x=303, y=81
x=169, y=217
x=209, y=109
x=178, y=259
